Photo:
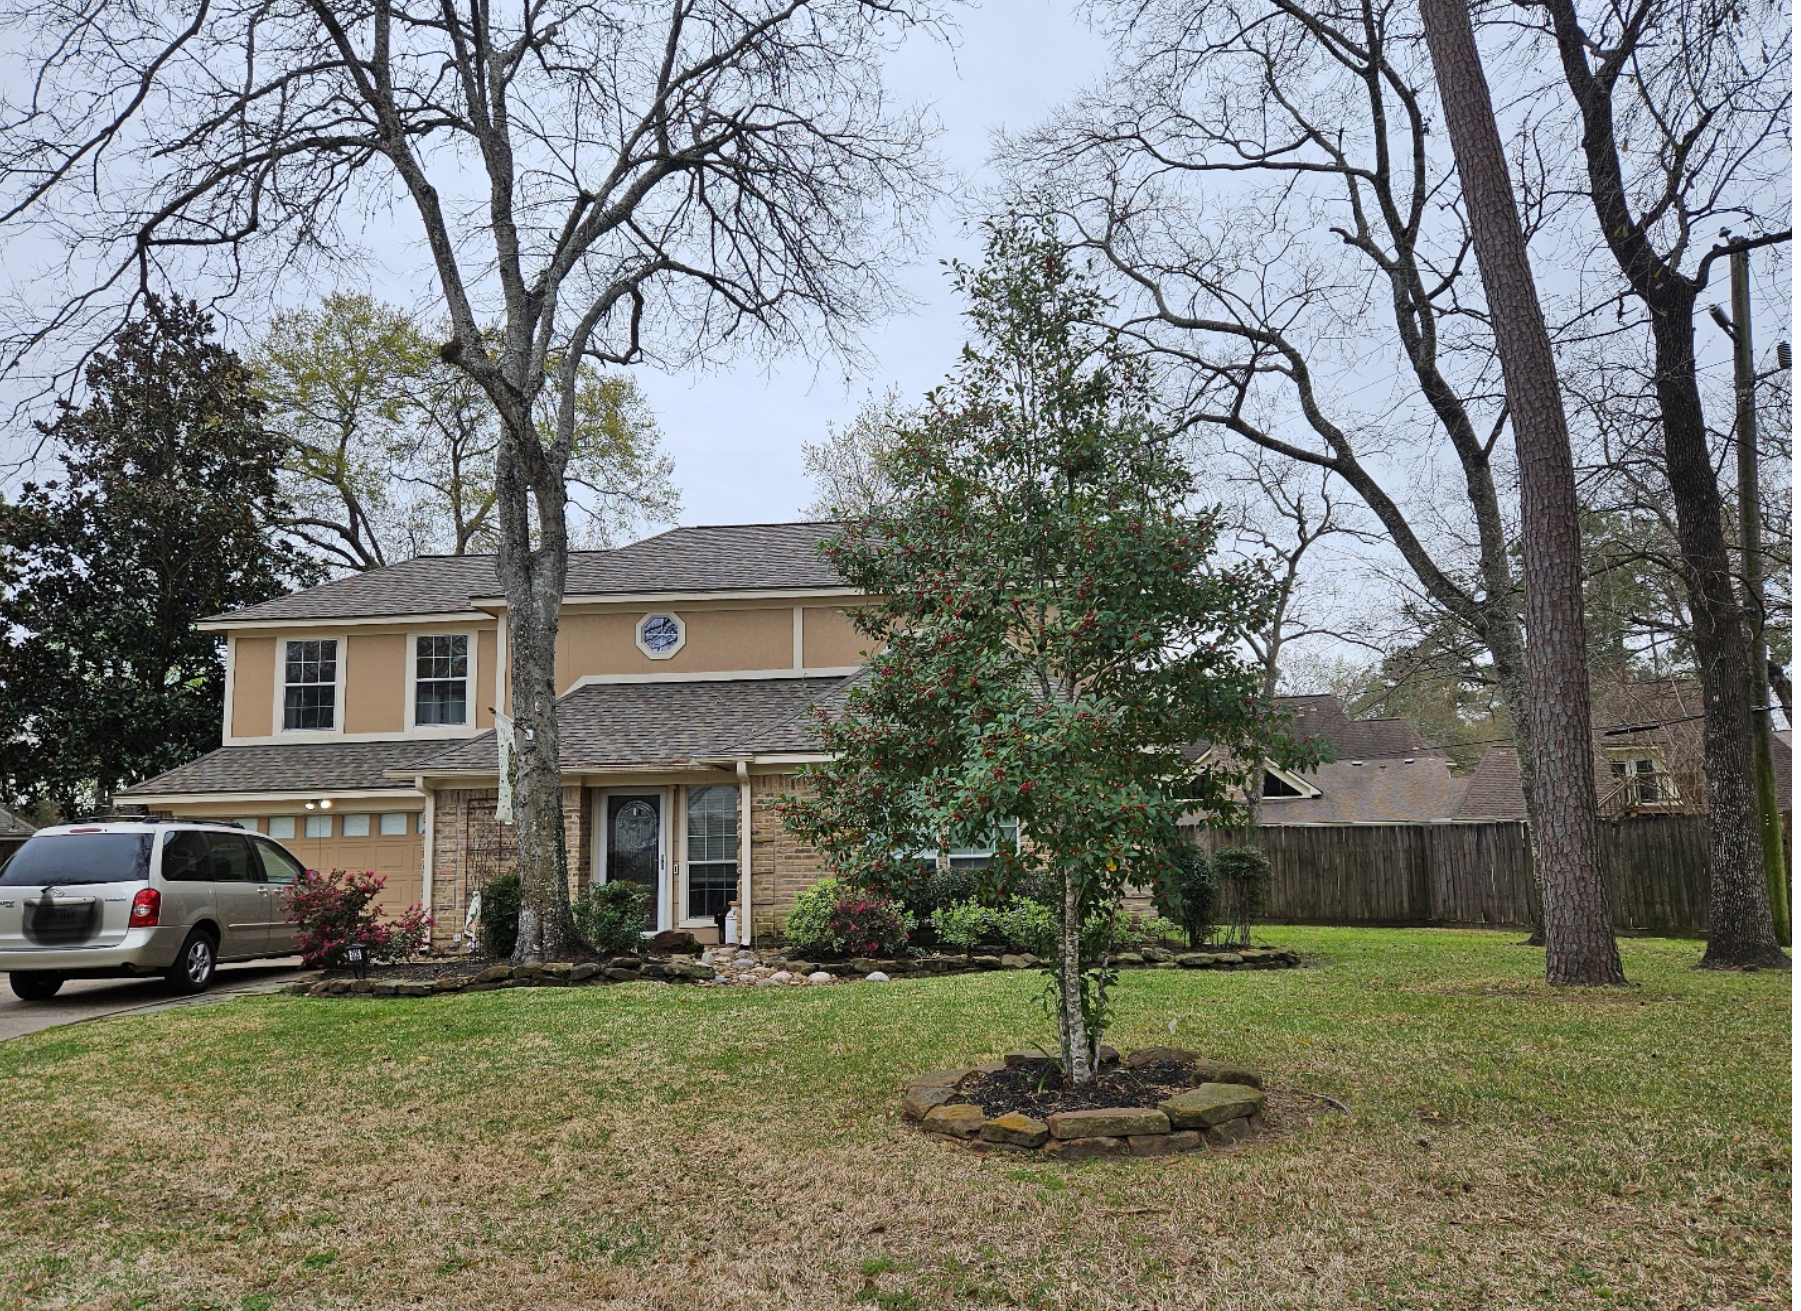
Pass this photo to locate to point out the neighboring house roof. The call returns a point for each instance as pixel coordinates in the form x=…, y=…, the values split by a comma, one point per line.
x=1492, y=791
x=604, y=725
x=11, y=826
x=290, y=767
x=1419, y=790
x=731, y=557
x=1322, y=716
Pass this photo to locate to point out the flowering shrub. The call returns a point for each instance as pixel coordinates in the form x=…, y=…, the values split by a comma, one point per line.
x=336, y=911
x=833, y=918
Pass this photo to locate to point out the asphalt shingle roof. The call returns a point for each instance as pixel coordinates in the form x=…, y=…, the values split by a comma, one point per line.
x=11, y=826
x=289, y=767
x=732, y=557
x=606, y=724
x=1414, y=790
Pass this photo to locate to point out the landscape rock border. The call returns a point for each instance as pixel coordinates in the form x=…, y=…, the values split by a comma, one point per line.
x=1223, y=1106
x=719, y=966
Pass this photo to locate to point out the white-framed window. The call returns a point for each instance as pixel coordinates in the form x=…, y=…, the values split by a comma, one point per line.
x=442, y=669
x=661, y=635
x=969, y=854
x=1640, y=776
x=309, y=698
x=393, y=823
x=712, y=851
x=318, y=826
x=281, y=826
x=356, y=826
x=248, y=823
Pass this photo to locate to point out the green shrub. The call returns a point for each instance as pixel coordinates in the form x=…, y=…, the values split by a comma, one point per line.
x=1027, y=925
x=834, y=918
x=612, y=917
x=1241, y=875
x=500, y=914
x=1187, y=891
x=964, y=925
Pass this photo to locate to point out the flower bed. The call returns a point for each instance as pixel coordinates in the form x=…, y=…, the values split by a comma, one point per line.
x=1156, y=1102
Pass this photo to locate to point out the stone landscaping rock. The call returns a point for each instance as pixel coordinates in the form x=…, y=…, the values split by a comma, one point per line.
x=1016, y=1130
x=862, y=965
x=415, y=990
x=585, y=971
x=652, y=969
x=386, y=990
x=494, y=974
x=1208, y=1071
x=1212, y=1104
x=1163, y=1144
x=1128, y=958
x=557, y=969
x=1109, y=1055
x=1084, y=1149
x=781, y=976
x=819, y=976
x=1194, y=960
x=955, y=1120
x=985, y=962
x=919, y=1100
x=448, y=985
x=675, y=942
x=1030, y=1059
x=1108, y=1123
x=1160, y=1056
x=620, y=975
x=1022, y=961
x=627, y=962
x=876, y=976
x=799, y=966
x=1228, y=958
x=1232, y=1131
x=1159, y=955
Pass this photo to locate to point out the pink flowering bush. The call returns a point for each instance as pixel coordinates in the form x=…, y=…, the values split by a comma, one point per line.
x=834, y=918
x=337, y=910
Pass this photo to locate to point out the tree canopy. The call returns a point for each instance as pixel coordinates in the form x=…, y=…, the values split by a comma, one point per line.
x=168, y=511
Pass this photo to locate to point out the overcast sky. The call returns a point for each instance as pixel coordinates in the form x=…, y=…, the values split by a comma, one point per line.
x=736, y=435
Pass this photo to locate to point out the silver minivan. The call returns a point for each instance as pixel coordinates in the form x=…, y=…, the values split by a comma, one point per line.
x=124, y=899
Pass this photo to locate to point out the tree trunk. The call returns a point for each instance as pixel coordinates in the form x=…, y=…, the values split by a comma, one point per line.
x=1739, y=928
x=533, y=580
x=1579, y=945
x=1071, y=1025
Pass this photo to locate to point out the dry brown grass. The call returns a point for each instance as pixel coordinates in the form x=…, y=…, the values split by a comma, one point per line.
x=723, y=1149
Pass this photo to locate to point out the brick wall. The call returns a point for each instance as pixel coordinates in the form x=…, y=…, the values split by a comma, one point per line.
x=780, y=863
x=469, y=847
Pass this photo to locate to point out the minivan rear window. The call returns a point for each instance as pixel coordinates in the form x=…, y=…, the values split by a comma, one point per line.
x=67, y=859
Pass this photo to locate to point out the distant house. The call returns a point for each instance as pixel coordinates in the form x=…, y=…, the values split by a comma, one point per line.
x=1648, y=757
x=1381, y=771
x=13, y=832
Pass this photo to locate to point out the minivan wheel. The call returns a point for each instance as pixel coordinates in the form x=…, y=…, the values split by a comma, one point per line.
x=34, y=985
x=193, y=968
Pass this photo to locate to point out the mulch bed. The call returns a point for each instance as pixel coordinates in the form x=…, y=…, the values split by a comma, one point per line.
x=1039, y=1091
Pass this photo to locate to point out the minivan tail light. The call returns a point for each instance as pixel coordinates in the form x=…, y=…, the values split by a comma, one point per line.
x=145, y=908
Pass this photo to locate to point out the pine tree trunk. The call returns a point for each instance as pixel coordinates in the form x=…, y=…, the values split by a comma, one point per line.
x=533, y=580
x=1072, y=1027
x=1579, y=945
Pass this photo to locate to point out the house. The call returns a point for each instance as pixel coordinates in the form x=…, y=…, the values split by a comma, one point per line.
x=359, y=716
x=1379, y=771
x=13, y=832
x=1648, y=756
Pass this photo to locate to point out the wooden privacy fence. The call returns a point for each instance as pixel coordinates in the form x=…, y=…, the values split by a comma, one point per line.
x=1473, y=874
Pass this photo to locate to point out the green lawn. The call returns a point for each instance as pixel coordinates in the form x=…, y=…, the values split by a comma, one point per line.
x=648, y=1146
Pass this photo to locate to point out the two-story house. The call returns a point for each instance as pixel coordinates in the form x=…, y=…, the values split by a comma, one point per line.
x=359, y=720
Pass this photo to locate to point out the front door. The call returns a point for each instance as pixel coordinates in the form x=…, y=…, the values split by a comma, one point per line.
x=634, y=844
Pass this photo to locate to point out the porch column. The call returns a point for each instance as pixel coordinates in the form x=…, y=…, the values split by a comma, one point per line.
x=744, y=906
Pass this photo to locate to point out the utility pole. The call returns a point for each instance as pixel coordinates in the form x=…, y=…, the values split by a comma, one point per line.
x=1750, y=520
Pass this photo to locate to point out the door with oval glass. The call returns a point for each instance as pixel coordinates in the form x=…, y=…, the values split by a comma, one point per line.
x=632, y=826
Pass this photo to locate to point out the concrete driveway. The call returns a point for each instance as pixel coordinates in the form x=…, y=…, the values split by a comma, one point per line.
x=93, y=999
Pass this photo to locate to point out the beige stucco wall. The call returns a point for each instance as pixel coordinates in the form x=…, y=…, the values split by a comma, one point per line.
x=828, y=639
x=718, y=640
x=375, y=683
x=487, y=653
x=252, y=687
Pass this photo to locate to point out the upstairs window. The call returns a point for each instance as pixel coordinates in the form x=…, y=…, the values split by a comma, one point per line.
x=1274, y=785
x=441, y=679
x=310, y=693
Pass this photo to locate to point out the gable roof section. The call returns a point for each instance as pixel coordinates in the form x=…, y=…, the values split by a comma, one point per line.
x=289, y=767
x=724, y=558
x=1420, y=790
x=606, y=725
x=729, y=557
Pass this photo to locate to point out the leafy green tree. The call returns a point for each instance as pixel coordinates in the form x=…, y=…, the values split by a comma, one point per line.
x=1058, y=634
x=168, y=511
x=391, y=451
